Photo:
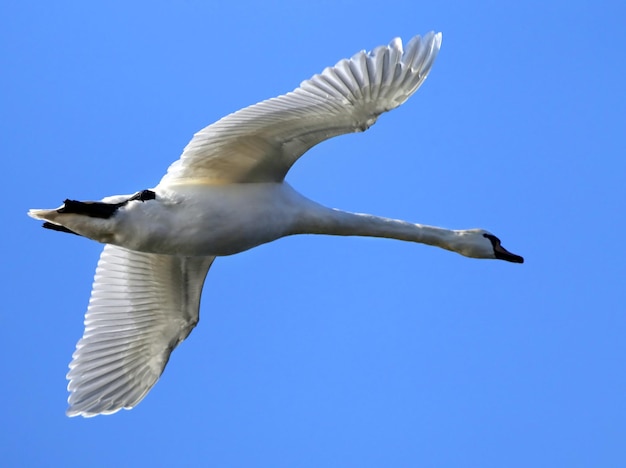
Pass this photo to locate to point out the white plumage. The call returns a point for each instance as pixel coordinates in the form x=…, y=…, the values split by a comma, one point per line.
x=261, y=142
x=224, y=195
x=141, y=306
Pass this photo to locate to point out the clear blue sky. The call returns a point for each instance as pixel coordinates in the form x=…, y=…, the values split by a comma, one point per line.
x=317, y=351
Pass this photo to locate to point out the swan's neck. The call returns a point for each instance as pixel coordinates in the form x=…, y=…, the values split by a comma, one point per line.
x=322, y=220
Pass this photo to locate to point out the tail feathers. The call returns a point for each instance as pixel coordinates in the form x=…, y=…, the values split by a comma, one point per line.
x=89, y=219
x=51, y=219
x=92, y=209
x=44, y=215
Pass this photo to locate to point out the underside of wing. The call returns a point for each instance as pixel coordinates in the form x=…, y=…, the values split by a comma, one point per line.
x=141, y=307
x=261, y=142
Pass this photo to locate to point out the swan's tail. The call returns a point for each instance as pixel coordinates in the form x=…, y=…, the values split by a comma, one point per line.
x=89, y=219
x=43, y=215
x=47, y=216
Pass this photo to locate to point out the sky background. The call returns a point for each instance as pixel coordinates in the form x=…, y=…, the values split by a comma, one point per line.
x=337, y=352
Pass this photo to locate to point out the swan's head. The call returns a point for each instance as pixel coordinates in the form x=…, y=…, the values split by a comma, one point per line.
x=478, y=243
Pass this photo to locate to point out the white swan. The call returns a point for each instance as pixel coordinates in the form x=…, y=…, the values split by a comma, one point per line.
x=224, y=195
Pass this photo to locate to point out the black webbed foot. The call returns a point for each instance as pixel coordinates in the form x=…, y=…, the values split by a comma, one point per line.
x=56, y=227
x=143, y=196
x=91, y=209
x=100, y=209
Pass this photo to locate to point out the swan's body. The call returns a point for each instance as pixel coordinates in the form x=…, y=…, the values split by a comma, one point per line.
x=227, y=194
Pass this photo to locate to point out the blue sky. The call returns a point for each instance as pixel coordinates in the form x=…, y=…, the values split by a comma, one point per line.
x=319, y=351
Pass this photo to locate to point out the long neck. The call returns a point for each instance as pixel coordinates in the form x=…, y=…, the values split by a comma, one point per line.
x=318, y=219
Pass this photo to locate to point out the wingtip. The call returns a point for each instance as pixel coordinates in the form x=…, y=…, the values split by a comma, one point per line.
x=429, y=37
x=72, y=412
x=434, y=38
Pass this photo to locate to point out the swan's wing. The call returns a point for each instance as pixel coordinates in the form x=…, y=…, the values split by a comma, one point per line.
x=142, y=306
x=260, y=143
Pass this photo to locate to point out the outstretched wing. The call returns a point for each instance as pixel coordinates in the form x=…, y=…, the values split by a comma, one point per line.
x=261, y=142
x=142, y=306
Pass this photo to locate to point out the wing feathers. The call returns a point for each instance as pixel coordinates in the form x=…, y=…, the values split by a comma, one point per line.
x=141, y=307
x=261, y=142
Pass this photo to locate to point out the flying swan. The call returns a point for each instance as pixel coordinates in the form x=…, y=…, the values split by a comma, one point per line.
x=227, y=194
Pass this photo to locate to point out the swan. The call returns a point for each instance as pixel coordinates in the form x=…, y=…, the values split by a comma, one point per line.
x=227, y=194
